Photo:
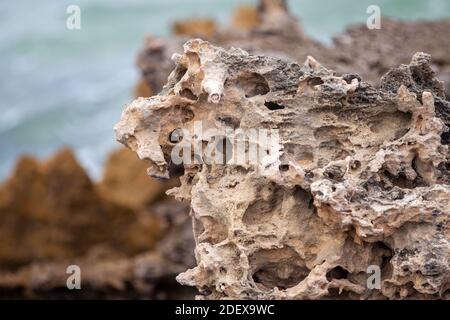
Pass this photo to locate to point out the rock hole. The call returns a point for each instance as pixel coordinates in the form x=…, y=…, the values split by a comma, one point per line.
x=187, y=93
x=228, y=121
x=252, y=84
x=314, y=81
x=176, y=170
x=282, y=268
x=389, y=126
x=262, y=210
x=382, y=251
x=355, y=164
x=304, y=202
x=273, y=105
x=180, y=72
x=211, y=231
x=176, y=136
x=334, y=173
x=309, y=174
x=205, y=291
x=337, y=273
x=399, y=180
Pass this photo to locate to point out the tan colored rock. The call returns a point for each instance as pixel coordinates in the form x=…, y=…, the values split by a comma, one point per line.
x=273, y=31
x=123, y=166
x=108, y=274
x=143, y=89
x=246, y=17
x=371, y=53
x=52, y=210
x=127, y=241
x=355, y=177
x=277, y=33
x=195, y=28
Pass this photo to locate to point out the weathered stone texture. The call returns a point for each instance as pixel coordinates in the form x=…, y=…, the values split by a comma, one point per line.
x=362, y=178
x=270, y=29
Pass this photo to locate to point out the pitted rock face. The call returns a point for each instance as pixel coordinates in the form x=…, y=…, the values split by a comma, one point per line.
x=360, y=177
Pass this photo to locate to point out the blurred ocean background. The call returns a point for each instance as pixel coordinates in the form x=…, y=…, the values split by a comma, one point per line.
x=68, y=87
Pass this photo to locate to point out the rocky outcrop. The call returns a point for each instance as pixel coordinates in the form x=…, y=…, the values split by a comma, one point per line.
x=341, y=177
x=127, y=237
x=372, y=53
x=269, y=29
x=266, y=29
x=109, y=274
x=131, y=241
x=52, y=210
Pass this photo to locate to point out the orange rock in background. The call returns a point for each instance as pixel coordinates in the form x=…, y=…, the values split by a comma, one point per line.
x=203, y=28
x=125, y=181
x=246, y=17
x=52, y=210
x=268, y=29
x=108, y=274
x=143, y=89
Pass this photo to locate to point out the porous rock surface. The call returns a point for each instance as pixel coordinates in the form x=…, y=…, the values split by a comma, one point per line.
x=360, y=177
x=371, y=53
x=270, y=29
x=266, y=29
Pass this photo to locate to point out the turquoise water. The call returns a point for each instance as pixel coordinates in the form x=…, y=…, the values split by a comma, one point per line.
x=60, y=87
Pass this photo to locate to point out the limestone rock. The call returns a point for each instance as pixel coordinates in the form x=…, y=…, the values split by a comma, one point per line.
x=273, y=31
x=371, y=53
x=355, y=177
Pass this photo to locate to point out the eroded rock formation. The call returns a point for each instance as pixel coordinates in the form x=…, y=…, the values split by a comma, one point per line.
x=52, y=210
x=128, y=239
x=270, y=29
x=371, y=53
x=110, y=274
x=357, y=177
x=266, y=29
